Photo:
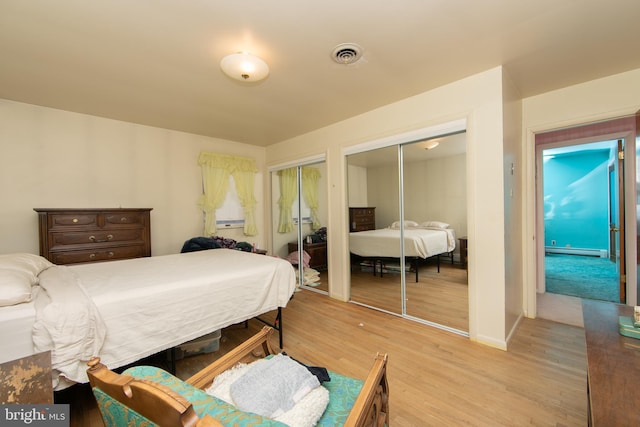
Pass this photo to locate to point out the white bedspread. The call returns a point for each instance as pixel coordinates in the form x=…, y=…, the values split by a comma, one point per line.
x=418, y=242
x=151, y=304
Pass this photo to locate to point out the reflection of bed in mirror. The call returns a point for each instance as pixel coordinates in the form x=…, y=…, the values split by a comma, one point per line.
x=421, y=241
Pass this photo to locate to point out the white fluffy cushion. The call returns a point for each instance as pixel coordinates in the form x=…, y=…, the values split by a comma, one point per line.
x=18, y=273
x=434, y=224
x=305, y=413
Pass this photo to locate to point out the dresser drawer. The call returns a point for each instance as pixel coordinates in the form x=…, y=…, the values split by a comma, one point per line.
x=59, y=239
x=363, y=213
x=120, y=219
x=107, y=254
x=72, y=220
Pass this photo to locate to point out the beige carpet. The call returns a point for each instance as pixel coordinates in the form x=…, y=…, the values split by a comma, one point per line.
x=560, y=308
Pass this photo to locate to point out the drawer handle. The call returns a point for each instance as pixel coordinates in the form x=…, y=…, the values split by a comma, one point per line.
x=123, y=219
x=74, y=220
x=94, y=240
x=109, y=254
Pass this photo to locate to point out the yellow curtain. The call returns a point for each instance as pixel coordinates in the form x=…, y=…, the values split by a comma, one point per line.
x=216, y=169
x=244, y=187
x=310, y=178
x=288, y=194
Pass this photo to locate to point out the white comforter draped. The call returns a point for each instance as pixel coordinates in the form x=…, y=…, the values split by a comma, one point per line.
x=67, y=323
x=147, y=305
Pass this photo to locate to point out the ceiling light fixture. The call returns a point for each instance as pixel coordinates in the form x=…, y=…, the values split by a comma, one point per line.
x=244, y=67
x=432, y=144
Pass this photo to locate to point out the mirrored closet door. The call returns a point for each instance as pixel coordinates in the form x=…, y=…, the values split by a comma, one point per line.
x=418, y=190
x=299, y=215
x=374, y=205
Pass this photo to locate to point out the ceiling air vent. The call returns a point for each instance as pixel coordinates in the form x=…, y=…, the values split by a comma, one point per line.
x=347, y=53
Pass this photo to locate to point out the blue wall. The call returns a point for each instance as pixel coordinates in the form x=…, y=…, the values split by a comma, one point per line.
x=576, y=206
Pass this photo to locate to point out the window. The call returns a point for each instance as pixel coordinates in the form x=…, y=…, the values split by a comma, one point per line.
x=306, y=210
x=231, y=213
x=217, y=171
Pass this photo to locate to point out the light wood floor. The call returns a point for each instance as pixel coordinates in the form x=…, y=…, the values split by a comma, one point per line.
x=435, y=378
x=439, y=297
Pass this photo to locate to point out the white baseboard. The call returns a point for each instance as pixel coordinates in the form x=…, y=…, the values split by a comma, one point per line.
x=601, y=253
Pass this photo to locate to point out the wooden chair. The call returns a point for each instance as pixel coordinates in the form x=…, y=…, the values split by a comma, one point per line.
x=149, y=395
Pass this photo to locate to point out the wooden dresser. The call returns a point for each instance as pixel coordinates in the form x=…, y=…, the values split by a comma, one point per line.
x=361, y=219
x=613, y=366
x=72, y=236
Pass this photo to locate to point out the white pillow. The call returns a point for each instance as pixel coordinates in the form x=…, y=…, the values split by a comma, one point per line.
x=28, y=263
x=18, y=273
x=15, y=286
x=434, y=224
x=407, y=224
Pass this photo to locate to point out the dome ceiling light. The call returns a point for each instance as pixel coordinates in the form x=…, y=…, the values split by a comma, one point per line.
x=244, y=67
x=431, y=145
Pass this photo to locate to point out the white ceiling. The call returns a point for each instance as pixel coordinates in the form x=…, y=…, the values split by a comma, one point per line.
x=156, y=62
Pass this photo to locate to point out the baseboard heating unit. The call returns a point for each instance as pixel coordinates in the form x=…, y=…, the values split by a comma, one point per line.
x=600, y=253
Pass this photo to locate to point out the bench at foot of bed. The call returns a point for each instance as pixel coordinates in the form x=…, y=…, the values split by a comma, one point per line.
x=148, y=394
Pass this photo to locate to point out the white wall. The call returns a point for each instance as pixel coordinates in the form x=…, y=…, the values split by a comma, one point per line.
x=357, y=186
x=513, y=201
x=478, y=99
x=597, y=100
x=57, y=159
x=382, y=192
x=436, y=189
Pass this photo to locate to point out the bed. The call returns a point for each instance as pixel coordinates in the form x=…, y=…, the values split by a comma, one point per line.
x=126, y=310
x=421, y=241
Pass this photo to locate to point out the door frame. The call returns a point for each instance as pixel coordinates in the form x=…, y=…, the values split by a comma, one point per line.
x=621, y=128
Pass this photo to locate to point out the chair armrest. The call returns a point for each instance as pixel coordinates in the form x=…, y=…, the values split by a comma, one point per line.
x=153, y=401
x=371, y=407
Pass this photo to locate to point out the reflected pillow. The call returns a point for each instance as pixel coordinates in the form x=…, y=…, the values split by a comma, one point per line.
x=407, y=224
x=434, y=224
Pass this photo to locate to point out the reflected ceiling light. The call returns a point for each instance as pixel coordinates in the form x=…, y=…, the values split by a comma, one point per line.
x=244, y=67
x=431, y=144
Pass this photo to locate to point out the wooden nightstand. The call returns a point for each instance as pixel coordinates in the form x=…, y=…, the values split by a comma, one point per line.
x=464, y=251
x=317, y=252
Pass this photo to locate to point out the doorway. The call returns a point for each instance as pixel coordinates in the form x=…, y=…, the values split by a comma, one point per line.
x=619, y=183
x=581, y=193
